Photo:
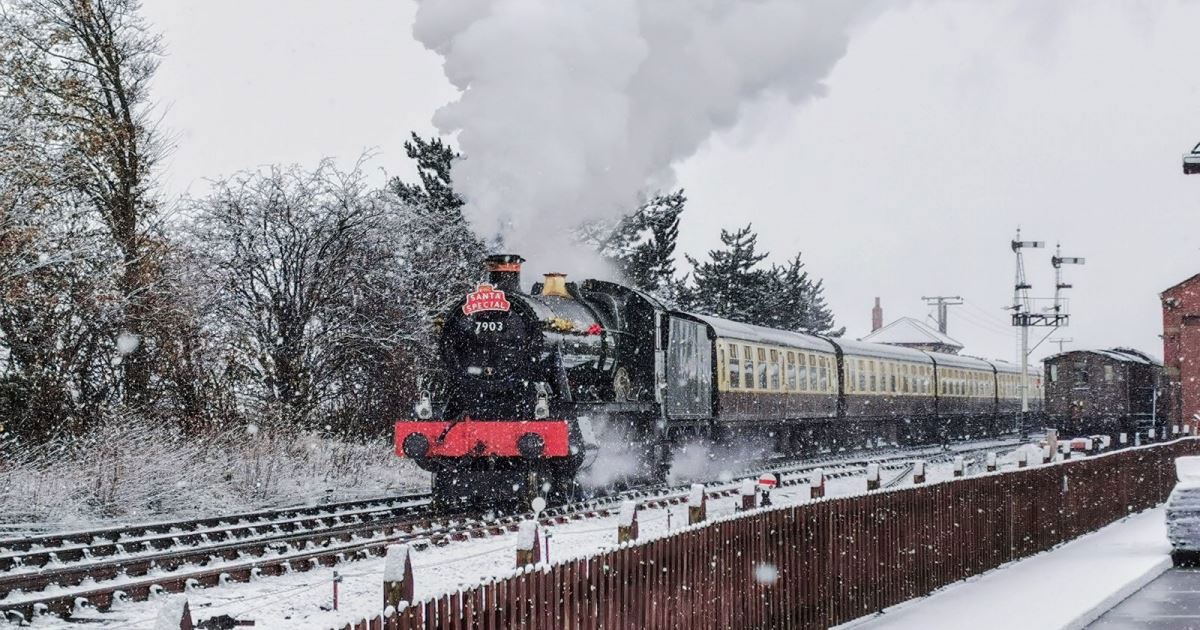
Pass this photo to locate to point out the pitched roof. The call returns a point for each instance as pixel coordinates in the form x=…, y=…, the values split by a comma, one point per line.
x=1125, y=355
x=1179, y=285
x=907, y=330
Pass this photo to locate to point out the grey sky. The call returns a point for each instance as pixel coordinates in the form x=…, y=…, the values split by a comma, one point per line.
x=944, y=127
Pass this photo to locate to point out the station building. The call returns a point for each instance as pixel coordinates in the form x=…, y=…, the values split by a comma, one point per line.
x=1181, y=352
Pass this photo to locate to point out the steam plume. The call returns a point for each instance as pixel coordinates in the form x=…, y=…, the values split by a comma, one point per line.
x=569, y=110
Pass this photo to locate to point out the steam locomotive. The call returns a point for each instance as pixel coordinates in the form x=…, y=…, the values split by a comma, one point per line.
x=534, y=384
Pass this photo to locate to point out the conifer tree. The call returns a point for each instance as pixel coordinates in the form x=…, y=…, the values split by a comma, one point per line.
x=642, y=245
x=729, y=284
x=449, y=259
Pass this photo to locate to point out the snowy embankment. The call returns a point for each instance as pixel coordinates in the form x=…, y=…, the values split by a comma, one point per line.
x=141, y=471
x=1066, y=587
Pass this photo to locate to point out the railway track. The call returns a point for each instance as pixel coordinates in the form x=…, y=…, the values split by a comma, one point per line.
x=80, y=572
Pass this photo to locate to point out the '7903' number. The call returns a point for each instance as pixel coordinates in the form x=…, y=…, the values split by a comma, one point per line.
x=488, y=327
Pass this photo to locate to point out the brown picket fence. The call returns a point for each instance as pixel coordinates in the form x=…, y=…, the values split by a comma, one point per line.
x=816, y=564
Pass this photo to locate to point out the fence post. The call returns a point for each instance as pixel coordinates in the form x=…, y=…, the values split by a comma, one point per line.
x=1022, y=458
x=816, y=484
x=697, y=504
x=991, y=462
x=627, y=523
x=1123, y=439
x=872, y=476
x=1089, y=446
x=1047, y=454
x=749, y=492
x=397, y=576
x=175, y=613
x=529, y=543
x=919, y=471
x=958, y=466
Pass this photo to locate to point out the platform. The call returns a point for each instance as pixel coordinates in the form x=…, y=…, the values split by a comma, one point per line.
x=1068, y=587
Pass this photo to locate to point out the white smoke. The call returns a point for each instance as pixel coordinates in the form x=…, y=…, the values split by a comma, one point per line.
x=569, y=111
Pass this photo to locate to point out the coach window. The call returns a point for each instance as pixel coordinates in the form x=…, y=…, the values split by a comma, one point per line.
x=720, y=361
x=747, y=368
x=802, y=370
x=774, y=370
x=791, y=371
x=735, y=368
x=762, y=368
x=1108, y=373
x=814, y=384
x=862, y=376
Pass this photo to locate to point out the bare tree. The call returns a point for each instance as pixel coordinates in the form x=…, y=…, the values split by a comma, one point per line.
x=77, y=128
x=313, y=302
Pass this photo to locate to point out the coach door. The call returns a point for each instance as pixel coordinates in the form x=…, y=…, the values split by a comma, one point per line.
x=689, y=370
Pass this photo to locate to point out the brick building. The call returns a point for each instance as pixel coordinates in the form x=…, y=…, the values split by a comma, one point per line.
x=1181, y=352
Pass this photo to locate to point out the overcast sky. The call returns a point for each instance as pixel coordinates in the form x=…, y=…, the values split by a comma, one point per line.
x=944, y=127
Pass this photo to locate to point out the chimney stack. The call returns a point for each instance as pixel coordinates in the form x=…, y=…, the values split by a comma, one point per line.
x=504, y=272
x=876, y=316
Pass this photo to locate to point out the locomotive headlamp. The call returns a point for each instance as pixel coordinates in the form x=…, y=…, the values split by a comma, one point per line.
x=531, y=446
x=541, y=409
x=424, y=408
x=415, y=446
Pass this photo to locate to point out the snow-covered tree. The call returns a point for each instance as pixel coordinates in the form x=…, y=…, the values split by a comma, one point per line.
x=794, y=301
x=314, y=303
x=74, y=82
x=733, y=284
x=641, y=246
x=730, y=283
x=444, y=257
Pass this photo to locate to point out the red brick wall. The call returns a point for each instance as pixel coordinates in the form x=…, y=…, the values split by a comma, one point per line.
x=1181, y=352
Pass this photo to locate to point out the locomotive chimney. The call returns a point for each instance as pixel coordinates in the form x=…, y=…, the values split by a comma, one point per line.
x=504, y=272
x=555, y=284
x=876, y=316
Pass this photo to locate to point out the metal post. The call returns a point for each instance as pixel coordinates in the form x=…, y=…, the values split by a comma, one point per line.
x=1024, y=379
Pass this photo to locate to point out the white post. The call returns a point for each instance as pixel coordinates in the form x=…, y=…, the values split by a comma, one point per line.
x=958, y=465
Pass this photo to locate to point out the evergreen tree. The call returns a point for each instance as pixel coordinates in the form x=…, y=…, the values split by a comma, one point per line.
x=446, y=258
x=729, y=284
x=794, y=301
x=435, y=193
x=642, y=245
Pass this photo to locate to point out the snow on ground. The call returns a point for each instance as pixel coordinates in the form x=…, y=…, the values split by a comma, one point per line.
x=98, y=479
x=1067, y=587
x=302, y=600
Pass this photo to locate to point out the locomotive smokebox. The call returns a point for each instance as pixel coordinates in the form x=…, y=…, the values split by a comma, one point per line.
x=504, y=272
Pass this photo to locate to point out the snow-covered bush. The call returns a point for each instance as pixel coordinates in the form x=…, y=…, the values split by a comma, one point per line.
x=135, y=469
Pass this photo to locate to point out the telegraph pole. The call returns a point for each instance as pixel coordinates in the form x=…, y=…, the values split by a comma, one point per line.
x=943, y=302
x=1024, y=315
x=1060, y=341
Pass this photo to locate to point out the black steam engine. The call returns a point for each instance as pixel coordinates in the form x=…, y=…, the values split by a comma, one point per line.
x=535, y=386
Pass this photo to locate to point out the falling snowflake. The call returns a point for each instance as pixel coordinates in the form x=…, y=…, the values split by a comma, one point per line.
x=766, y=573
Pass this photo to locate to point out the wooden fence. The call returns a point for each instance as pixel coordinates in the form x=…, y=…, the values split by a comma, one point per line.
x=816, y=564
